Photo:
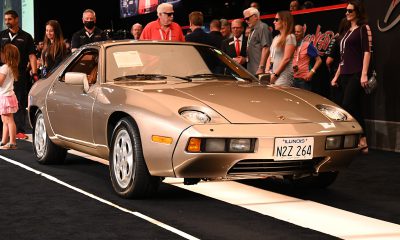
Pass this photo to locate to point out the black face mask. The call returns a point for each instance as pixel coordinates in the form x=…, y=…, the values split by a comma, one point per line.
x=89, y=24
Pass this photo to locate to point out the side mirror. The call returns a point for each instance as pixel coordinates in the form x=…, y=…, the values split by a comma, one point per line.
x=77, y=78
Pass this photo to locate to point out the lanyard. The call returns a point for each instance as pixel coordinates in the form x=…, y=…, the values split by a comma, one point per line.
x=89, y=34
x=11, y=36
x=299, y=50
x=162, y=35
x=343, y=44
x=249, y=39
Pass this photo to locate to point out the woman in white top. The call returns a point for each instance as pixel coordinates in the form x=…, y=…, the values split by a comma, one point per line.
x=8, y=100
x=279, y=63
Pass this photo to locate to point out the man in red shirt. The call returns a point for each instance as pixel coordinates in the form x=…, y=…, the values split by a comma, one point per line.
x=163, y=28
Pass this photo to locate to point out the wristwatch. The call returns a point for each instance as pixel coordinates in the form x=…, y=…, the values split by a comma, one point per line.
x=276, y=75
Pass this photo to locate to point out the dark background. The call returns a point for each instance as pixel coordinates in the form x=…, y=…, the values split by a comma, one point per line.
x=69, y=13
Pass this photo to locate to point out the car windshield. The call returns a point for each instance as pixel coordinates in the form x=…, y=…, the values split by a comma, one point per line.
x=136, y=62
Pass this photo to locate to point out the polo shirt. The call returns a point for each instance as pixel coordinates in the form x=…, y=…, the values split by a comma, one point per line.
x=260, y=37
x=153, y=31
x=24, y=42
x=302, y=56
x=80, y=37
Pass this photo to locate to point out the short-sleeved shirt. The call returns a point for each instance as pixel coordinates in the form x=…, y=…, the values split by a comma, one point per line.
x=333, y=52
x=259, y=38
x=153, y=31
x=353, y=46
x=82, y=37
x=305, y=51
x=24, y=42
x=286, y=76
x=7, y=89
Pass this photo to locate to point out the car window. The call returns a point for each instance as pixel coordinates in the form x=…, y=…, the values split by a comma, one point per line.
x=86, y=62
x=170, y=60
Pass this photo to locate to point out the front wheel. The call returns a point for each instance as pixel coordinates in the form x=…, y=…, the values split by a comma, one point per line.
x=45, y=150
x=128, y=171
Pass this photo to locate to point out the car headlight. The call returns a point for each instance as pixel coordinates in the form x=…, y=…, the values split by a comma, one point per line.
x=196, y=117
x=332, y=112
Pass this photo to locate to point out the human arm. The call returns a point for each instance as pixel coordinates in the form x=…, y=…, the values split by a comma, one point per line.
x=263, y=60
x=364, y=73
x=312, y=71
x=287, y=55
x=328, y=62
x=2, y=78
x=33, y=62
x=335, y=78
x=366, y=42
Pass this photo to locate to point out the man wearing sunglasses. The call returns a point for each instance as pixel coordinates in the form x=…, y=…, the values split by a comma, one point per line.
x=258, y=43
x=163, y=28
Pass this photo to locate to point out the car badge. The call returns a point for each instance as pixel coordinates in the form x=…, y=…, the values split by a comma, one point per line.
x=281, y=117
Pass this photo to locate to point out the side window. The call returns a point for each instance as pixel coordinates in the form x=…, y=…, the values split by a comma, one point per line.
x=86, y=63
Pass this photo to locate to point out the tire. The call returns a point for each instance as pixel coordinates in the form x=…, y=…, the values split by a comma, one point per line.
x=128, y=171
x=45, y=150
x=322, y=180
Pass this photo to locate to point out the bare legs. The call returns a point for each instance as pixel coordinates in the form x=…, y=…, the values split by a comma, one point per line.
x=9, y=129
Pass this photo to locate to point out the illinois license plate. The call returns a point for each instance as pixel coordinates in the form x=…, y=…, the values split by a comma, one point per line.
x=300, y=148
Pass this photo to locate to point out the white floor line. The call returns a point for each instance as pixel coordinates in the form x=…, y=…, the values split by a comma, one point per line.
x=102, y=200
x=304, y=213
x=307, y=214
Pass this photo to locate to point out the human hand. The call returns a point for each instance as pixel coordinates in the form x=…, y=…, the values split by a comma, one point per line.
x=364, y=80
x=334, y=82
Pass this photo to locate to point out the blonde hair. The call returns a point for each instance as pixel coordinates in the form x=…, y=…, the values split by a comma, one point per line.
x=287, y=25
x=11, y=58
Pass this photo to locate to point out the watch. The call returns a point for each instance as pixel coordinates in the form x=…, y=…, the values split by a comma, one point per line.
x=276, y=75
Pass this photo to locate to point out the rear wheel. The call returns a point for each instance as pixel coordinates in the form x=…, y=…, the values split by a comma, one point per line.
x=45, y=150
x=129, y=174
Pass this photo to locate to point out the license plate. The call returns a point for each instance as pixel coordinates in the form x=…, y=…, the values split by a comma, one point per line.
x=293, y=148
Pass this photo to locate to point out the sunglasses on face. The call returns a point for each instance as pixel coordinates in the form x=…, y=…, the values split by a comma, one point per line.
x=276, y=19
x=169, y=14
x=349, y=10
x=247, y=18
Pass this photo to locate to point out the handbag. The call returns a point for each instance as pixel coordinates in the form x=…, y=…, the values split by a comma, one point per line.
x=372, y=81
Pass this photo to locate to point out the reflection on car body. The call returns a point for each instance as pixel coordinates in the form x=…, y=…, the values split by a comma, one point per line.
x=165, y=109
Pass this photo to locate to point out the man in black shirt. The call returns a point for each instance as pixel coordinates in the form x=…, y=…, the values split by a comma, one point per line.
x=198, y=35
x=24, y=42
x=90, y=33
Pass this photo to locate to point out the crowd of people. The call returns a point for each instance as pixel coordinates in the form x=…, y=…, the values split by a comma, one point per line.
x=287, y=58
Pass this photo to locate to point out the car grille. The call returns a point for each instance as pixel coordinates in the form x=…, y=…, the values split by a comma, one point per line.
x=269, y=166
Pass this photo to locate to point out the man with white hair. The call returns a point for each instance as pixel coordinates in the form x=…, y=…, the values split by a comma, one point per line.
x=136, y=31
x=163, y=28
x=258, y=43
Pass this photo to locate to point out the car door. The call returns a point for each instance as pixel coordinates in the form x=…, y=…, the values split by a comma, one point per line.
x=69, y=107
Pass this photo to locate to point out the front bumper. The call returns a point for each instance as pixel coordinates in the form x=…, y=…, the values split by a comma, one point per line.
x=261, y=162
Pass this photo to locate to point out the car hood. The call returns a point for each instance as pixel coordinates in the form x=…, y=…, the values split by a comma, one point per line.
x=254, y=103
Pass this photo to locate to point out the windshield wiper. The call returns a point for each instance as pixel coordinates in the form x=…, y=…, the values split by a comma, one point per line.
x=149, y=77
x=212, y=75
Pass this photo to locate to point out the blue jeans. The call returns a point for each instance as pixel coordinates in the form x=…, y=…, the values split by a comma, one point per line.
x=301, y=83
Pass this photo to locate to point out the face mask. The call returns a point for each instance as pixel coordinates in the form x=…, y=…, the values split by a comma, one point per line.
x=89, y=24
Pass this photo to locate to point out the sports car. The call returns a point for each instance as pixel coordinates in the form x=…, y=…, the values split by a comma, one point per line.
x=185, y=110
